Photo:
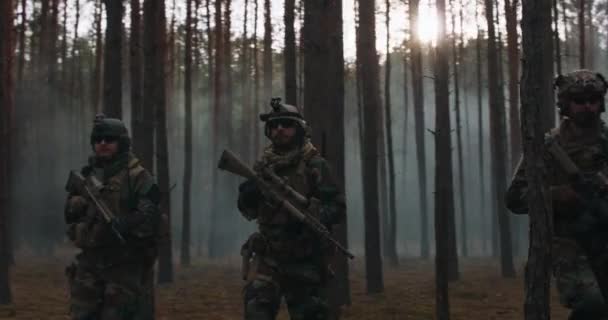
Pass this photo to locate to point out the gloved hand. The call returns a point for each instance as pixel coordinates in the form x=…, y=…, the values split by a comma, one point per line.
x=75, y=208
x=250, y=194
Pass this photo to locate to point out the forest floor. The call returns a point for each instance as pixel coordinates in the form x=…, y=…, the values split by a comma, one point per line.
x=212, y=290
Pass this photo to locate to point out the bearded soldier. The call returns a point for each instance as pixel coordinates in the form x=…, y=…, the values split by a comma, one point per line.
x=109, y=279
x=285, y=259
x=582, y=137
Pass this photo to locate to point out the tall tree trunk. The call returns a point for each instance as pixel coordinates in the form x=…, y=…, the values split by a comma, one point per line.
x=558, y=52
x=6, y=123
x=138, y=127
x=497, y=134
x=112, y=89
x=536, y=94
x=155, y=59
x=96, y=83
x=566, y=34
x=247, y=115
x=367, y=60
x=185, y=249
x=291, y=88
x=228, y=73
x=324, y=110
x=480, y=137
x=22, y=29
x=390, y=245
x=218, y=87
x=256, y=83
x=444, y=193
x=64, y=45
x=267, y=52
x=461, y=190
x=513, y=62
x=581, y=35
x=419, y=126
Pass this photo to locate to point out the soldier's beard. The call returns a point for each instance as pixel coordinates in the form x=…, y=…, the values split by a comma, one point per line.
x=585, y=119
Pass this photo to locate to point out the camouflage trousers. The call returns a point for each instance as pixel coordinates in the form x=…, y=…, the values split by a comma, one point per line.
x=575, y=281
x=121, y=292
x=304, y=293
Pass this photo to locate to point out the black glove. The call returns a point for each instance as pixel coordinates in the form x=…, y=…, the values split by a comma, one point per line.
x=250, y=194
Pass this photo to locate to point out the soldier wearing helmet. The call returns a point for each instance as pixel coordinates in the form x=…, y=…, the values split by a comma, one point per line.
x=284, y=259
x=109, y=278
x=581, y=134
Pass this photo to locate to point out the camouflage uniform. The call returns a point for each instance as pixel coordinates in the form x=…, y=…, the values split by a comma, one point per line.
x=285, y=258
x=575, y=280
x=109, y=279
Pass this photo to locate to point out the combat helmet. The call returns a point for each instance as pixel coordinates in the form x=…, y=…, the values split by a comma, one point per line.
x=284, y=111
x=111, y=127
x=578, y=83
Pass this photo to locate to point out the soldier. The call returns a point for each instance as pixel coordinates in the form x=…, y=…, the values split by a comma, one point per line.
x=110, y=276
x=582, y=136
x=285, y=258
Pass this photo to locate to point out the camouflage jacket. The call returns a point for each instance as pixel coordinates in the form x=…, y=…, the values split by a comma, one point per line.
x=309, y=174
x=132, y=195
x=589, y=153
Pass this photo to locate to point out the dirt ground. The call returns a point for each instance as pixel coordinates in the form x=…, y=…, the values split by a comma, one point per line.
x=211, y=290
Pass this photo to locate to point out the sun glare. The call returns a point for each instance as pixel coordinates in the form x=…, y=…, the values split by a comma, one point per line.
x=427, y=24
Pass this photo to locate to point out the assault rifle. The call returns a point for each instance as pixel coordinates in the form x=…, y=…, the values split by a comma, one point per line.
x=279, y=191
x=591, y=235
x=90, y=188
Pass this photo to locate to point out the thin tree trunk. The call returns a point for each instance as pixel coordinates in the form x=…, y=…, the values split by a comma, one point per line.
x=22, y=29
x=64, y=45
x=185, y=249
x=558, y=53
x=480, y=137
x=112, y=89
x=497, y=134
x=247, y=116
x=6, y=123
x=444, y=196
x=97, y=83
x=461, y=174
x=390, y=246
x=267, y=52
x=138, y=126
x=291, y=88
x=581, y=35
x=513, y=62
x=256, y=83
x=368, y=61
x=419, y=126
x=566, y=34
x=536, y=93
x=218, y=87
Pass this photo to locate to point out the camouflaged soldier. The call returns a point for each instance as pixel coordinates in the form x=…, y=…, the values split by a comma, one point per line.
x=583, y=137
x=285, y=259
x=110, y=277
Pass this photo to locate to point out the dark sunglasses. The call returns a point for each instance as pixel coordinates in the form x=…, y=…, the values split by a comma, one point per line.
x=284, y=123
x=585, y=100
x=107, y=139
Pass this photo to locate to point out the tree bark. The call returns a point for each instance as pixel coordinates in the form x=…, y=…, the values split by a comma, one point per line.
x=390, y=246
x=218, y=87
x=112, y=89
x=247, y=116
x=497, y=134
x=513, y=62
x=96, y=83
x=137, y=108
x=6, y=124
x=461, y=189
x=367, y=60
x=324, y=110
x=22, y=29
x=444, y=196
x=536, y=94
x=581, y=35
x=291, y=88
x=558, y=52
x=419, y=126
x=256, y=83
x=155, y=60
x=187, y=182
x=267, y=52
x=480, y=137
